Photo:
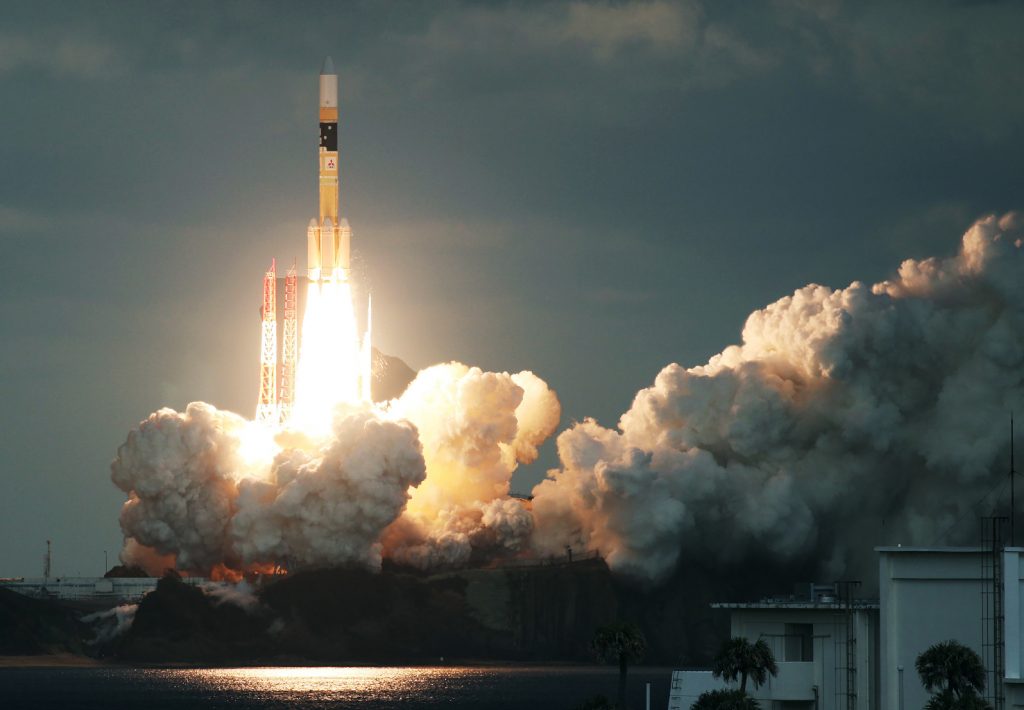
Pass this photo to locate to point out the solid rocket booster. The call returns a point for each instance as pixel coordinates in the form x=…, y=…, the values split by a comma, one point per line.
x=328, y=238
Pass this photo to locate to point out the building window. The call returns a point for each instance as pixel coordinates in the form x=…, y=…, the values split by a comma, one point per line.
x=799, y=642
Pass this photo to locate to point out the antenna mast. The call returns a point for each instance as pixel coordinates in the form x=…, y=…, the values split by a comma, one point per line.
x=1013, y=508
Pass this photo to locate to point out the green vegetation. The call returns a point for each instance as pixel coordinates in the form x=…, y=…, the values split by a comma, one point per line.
x=725, y=700
x=955, y=676
x=623, y=642
x=738, y=658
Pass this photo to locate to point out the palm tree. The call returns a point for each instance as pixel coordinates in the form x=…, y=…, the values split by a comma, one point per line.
x=622, y=642
x=725, y=700
x=954, y=673
x=738, y=658
x=947, y=701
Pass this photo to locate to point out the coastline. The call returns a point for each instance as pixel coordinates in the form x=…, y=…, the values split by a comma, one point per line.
x=56, y=660
x=70, y=660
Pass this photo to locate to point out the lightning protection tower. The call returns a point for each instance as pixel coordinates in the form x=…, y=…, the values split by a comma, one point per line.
x=290, y=343
x=266, y=410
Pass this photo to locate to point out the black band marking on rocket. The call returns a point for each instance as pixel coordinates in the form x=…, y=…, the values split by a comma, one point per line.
x=329, y=136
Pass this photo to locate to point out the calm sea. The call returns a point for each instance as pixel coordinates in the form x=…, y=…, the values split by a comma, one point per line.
x=481, y=688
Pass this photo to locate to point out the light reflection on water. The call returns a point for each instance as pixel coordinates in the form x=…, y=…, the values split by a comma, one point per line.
x=332, y=683
x=311, y=688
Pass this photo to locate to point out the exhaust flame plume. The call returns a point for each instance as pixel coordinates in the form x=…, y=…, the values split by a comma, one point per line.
x=331, y=369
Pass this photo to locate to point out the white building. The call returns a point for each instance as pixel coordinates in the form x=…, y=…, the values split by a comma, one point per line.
x=100, y=591
x=934, y=594
x=826, y=649
x=926, y=595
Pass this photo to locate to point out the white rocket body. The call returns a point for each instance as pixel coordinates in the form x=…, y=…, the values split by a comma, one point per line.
x=328, y=237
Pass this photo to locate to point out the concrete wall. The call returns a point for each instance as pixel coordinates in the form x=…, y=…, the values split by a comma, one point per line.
x=926, y=596
x=1013, y=568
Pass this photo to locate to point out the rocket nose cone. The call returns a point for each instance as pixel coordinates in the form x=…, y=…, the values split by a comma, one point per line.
x=328, y=67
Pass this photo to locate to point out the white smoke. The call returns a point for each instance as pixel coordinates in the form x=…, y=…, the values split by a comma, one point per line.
x=476, y=428
x=330, y=509
x=242, y=595
x=180, y=472
x=111, y=623
x=215, y=492
x=845, y=418
x=194, y=495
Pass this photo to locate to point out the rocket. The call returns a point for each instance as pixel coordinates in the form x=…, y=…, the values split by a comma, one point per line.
x=328, y=238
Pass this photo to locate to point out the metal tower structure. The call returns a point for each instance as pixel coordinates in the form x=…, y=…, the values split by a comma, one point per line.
x=266, y=410
x=845, y=649
x=290, y=343
x=992, y=611
x=366, y=381
x=47, y=561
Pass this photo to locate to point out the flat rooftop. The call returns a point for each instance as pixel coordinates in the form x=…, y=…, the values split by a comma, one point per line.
x=799, y=604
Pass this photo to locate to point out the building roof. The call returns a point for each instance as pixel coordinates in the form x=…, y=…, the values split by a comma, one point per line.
x=944, y=550
x=856, y=605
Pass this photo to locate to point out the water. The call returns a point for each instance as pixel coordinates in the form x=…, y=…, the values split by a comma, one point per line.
x=481, y=688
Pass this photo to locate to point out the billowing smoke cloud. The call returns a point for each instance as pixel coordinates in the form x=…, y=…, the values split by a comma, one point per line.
x=845, y=418
x=331, y=508
x=180, y=472
x=194, y=494
x=210, y=491
x=475, y=427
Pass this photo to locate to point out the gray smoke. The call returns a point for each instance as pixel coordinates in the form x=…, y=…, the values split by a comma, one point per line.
x=111, y=623
x=180, y=471
x=845, y=418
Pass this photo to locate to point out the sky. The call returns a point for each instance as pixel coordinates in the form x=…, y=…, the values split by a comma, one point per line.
x=588, y=190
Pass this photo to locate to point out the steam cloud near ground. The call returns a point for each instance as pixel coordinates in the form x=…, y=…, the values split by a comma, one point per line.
x=844, y=418
x=424, y=479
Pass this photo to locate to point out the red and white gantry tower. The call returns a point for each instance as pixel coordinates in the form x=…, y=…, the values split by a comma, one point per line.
x=266, y=410
x=290, y=343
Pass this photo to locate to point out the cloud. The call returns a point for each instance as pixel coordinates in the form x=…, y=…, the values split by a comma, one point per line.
x=59, y=52
x=606, y=28
x=957, y=61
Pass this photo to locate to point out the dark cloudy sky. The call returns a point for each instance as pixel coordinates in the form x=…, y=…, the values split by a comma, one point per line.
x=587, y=190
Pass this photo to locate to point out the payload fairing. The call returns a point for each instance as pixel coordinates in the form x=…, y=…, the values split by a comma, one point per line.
x=328, y=238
